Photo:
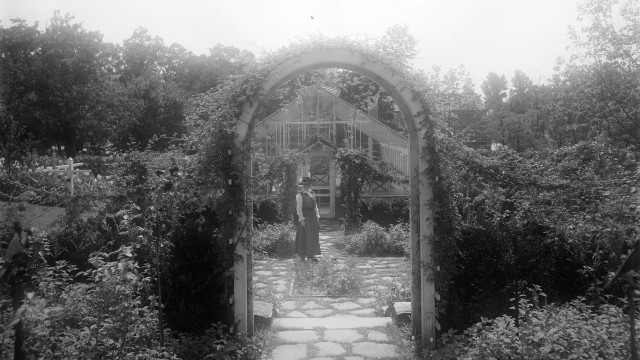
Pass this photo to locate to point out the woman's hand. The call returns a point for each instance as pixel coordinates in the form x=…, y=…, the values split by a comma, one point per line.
x=302, y=223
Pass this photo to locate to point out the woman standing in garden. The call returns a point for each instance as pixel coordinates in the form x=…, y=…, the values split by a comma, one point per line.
x=307, y=236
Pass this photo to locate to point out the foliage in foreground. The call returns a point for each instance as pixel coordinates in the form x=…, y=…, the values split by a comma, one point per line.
x=573, y=330
x=217, y=344
x=374, y=240
x=108, y=312
x=110, y=315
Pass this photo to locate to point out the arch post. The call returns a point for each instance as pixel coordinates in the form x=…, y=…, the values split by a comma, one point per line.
x=427, y=238
x=243, y=263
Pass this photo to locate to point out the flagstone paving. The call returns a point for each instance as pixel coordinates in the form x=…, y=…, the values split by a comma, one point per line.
x=330, y=328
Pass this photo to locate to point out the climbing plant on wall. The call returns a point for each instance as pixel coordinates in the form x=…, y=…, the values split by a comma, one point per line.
x=280, y=172
x=357, y=168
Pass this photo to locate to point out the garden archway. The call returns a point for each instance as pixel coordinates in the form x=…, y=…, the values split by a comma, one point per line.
x=421, y=219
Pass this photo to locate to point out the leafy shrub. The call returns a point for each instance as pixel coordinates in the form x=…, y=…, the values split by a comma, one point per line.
x=265, y=212
x=109, y=317
x=274, y=240
x=569, y=331
x=374, y=240
x=344, y=279
x=400, y=236
x=383, y=212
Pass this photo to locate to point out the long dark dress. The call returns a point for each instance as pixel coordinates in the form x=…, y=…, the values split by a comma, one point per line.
x=308, y=237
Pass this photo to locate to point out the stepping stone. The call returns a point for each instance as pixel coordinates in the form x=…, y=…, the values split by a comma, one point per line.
x=375, y=335
x=329, y=349
x=353, y=358
x=263, y=272
x=311, y=305
x=349, y=305
x=296, y=314
x=281, y=288
x=322, y=358
x=319, y=312
x=332, y=322
x=290, y=352
x=343, y=335
x=259, y=286
x=377, y=350
x=298, y=336
x=363, y=312
x=262, y=313
x=400, y=312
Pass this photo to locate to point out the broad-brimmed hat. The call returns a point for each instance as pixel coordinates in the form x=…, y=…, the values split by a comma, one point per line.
x=306, y=181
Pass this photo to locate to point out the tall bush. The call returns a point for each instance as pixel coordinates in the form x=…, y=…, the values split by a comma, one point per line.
x=356, y=168
x=374, y=240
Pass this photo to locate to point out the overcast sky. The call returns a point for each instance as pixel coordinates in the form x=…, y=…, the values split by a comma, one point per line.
x=484, y=35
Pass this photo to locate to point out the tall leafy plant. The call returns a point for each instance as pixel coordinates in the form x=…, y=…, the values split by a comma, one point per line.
x=283, y=173
x=357, y=169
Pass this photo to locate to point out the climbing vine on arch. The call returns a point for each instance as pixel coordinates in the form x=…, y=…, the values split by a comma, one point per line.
x=279, y=171
x=357, y=169
x=216, y=115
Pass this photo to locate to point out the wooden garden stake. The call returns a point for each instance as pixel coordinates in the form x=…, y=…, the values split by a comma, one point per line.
x=632, y=323
x=629, y=266
x=17, y=293
x=160, y=319
x=12, y=271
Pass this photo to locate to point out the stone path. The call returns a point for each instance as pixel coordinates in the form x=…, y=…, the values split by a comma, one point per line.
x=323, y=327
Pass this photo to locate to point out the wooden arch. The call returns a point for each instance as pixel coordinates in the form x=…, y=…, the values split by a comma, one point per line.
x=421, y=212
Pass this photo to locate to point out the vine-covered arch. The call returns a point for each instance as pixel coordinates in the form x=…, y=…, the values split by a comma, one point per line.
x=421, y=219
